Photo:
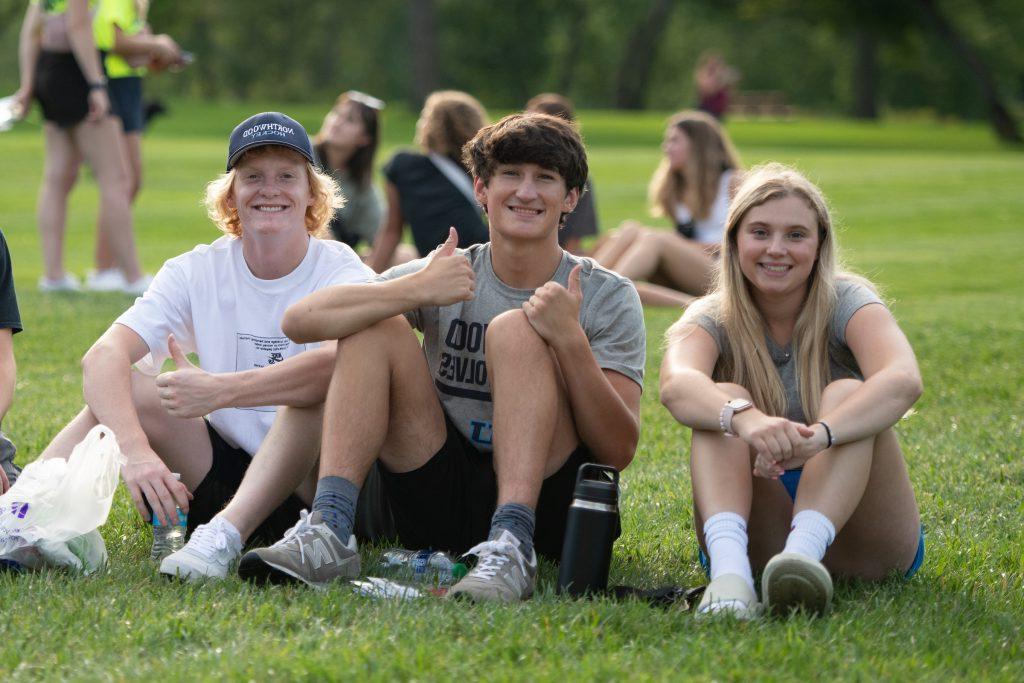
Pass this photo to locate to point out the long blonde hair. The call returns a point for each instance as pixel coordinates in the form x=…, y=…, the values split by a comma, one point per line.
x=696, y=184
x=326, y=198
x=747, y=361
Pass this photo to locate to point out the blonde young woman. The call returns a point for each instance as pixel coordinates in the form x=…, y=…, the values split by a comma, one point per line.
x=692, y=187
x=432, y=191
x=791, y=374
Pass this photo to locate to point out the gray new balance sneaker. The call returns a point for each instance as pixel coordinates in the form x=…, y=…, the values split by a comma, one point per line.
x=309, y=552
x=503, y=574
x=208, y=553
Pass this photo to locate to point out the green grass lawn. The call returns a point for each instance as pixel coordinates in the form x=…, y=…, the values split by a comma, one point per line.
x=932, y=212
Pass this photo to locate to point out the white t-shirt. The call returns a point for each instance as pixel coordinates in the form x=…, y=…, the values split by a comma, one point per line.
x=710, y=230
x=213, y=305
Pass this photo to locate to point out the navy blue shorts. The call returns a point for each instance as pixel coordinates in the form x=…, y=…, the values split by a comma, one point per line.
x=791, y=480
x=126, y=101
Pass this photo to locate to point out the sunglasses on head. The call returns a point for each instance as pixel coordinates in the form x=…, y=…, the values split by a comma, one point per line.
x=365, y=100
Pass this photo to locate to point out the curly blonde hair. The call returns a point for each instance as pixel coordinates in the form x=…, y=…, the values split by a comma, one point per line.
x=326, y=198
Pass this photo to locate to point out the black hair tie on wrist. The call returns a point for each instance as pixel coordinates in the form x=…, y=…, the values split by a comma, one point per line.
x=828, y=433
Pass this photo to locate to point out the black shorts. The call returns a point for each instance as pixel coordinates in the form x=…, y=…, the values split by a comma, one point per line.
x=220, y=484
x=61, y=89
x=126, y=101
x=448, y=503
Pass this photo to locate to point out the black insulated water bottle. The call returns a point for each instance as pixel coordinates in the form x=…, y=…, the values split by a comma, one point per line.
x=590, y=531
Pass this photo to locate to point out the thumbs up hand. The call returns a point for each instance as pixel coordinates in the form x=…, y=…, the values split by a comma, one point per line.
x=188, y=391
x=447, y=278
x=554, y=310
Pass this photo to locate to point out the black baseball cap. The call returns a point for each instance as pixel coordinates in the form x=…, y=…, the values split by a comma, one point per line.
x=269, y=128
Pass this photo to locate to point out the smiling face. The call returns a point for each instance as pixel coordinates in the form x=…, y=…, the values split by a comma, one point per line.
x=271, y=192
x=676, y=147
x=777, y=246
x=525, y=201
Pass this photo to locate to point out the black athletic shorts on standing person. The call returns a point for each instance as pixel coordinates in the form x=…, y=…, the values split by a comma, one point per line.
x=126, y=101
x=220, y=484
x=448, y=503
x=61, y=89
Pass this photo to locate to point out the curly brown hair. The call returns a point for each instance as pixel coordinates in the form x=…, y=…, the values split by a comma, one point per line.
x=449, y=118
x=548, y=141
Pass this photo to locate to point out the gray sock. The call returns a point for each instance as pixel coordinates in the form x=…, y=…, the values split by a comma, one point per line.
x=335, y=500
x=517, y=518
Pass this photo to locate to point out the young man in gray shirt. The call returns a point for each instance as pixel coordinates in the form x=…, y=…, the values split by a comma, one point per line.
x=531, y=364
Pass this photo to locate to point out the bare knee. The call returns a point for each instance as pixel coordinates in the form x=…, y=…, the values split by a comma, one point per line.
x=145, y=398
x=62, y=178
x=377, y=336
x=511, y=333
x=837, y=392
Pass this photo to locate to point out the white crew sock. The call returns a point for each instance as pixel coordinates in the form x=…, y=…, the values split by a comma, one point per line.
x=810, y=534
x=228, y=529
x=725, y=535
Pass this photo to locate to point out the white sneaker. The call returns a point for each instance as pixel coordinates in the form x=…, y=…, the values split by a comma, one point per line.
x=729, y=595
x=138, y=287
x=207, y=555
x=108, y=280
x=68, y=283
x=503, y=573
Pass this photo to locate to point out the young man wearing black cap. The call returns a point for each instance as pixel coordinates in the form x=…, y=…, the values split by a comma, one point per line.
x=531, y=364
x=223, y=301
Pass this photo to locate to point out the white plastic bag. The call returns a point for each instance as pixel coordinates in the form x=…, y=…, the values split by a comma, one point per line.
x=50, y=515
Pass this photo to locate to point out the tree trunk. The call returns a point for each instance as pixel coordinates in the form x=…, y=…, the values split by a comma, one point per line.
x=635, y=68
x=865, y=75
x=423, y=41
x=998, y=113
x=574, y=45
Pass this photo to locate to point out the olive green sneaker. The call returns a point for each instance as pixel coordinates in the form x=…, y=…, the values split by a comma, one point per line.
x=309, y=552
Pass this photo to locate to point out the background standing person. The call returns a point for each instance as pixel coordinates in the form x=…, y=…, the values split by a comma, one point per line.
x=345, y=148
x=10, y=324
x=60, y=68
x=128, y=47
x=692, y=186
x=714, y=80
x=582, y=222
x=807, y=367
x=432, y=191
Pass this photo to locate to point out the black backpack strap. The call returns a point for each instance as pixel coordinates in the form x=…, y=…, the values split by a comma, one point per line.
x=665, y=596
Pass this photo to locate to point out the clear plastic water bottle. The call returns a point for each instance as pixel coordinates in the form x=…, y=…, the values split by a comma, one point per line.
x=168, y=538
x=425, y=566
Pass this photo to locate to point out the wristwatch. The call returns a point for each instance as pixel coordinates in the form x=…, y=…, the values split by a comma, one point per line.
x=731, y=407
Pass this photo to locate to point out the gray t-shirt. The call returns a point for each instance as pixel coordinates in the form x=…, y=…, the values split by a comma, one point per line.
x=453, y=336
x=851, y=297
